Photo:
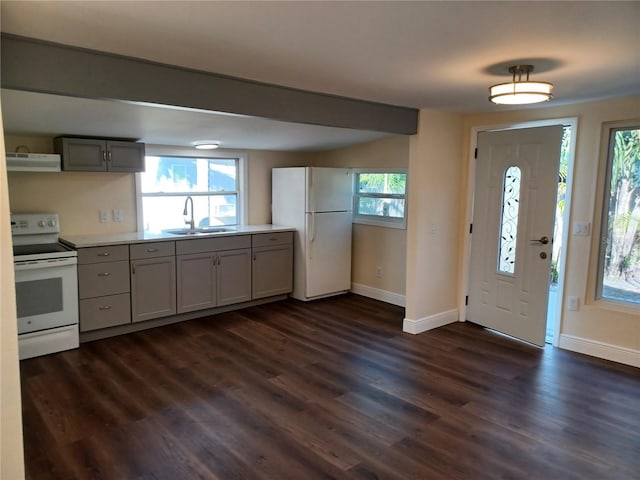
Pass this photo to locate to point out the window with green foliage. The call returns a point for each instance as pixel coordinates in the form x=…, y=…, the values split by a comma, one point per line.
x=380, y=198
x=619, y=269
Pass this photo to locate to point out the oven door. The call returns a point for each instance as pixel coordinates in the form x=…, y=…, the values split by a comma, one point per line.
x=46, y=294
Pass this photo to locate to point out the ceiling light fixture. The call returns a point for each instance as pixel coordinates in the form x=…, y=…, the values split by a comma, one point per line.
x=206, y=145
x=520, y=92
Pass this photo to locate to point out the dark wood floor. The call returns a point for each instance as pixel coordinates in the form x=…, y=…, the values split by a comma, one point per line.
x=329, y=389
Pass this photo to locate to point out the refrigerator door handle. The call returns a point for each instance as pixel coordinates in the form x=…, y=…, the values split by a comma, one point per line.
x=312, y=234
x=313, y=226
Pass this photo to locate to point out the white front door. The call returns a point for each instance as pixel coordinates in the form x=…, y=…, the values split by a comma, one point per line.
x=513, y=220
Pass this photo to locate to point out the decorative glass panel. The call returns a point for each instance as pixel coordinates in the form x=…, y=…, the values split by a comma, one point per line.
x=509, y=223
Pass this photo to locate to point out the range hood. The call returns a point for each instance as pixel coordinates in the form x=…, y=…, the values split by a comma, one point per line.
x=33, y=162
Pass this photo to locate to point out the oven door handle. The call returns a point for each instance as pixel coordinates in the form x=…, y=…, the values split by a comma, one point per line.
x=40, y=264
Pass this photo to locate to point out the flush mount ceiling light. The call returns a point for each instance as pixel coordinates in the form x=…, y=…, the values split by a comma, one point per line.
x=206, y=145
x=519, y=91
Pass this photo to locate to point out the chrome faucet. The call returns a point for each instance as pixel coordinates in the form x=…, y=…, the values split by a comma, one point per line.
x=186, y=204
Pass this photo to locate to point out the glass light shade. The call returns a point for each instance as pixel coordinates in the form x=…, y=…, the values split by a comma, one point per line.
x=520, y=93
x=206, y=146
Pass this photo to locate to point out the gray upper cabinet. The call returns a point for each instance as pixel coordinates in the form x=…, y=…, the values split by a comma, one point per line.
x=98, y=155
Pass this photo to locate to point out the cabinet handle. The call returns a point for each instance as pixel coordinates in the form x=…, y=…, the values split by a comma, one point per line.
x=133, y=269
x=272, y=239
x=152, y=250
x=254, y=257
x=109, y=156
x=104, y=274
x=104, y=155
x=106, y=307
x=105, y=254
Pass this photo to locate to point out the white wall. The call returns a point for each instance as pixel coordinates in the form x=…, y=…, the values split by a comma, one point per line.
x=597, y=328
x=11, y=451
x=79, y=196
x=373, y=245
x=433, y=232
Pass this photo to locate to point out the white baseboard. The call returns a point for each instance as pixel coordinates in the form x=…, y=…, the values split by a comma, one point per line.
x=428, y=323
x=382, y=295
x=606, y=351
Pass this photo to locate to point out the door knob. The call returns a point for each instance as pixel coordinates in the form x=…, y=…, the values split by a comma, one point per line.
x=543, y=240
x=543, y=255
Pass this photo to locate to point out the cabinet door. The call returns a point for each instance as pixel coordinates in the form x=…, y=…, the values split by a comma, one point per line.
x=196, y=281
x=234, y=276
x=272, y=271
x=153, y=288
x=125, y=156
x=82, y=154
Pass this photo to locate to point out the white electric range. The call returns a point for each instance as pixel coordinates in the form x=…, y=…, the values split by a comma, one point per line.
x=46, y=286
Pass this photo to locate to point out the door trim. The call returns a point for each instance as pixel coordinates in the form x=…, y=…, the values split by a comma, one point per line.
x=471, y=180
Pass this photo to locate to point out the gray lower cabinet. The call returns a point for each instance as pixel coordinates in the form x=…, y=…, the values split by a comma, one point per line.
x=213, y=272
x=120, y=284
x=272, y=270
x=103, y=287
x=98, y=155
x=196, y=281
x=234, y=276
x=153, y=280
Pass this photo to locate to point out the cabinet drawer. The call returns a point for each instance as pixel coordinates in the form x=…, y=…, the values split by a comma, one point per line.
x=97, y=279
x=275, y=238
x=202, y=245
x=104, y=312
x=111, y=253
x=139, y=251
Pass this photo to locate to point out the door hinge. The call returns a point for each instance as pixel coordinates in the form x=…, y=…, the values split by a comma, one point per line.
x=466, y=300
x=471, y=228
x=475, y=153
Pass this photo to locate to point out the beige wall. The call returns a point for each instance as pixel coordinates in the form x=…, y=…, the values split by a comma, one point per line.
x=11, y=452
x=433, y=233
x=596, y=328
x=372, y=245
x=259, y=164
x=79, y=196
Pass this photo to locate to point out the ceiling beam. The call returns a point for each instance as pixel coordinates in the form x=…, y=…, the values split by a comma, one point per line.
x=37, y=66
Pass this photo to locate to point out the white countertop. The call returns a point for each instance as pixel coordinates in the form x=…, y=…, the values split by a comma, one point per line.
x=99, y=240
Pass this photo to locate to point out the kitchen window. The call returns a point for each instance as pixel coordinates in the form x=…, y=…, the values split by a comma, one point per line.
x=380, y=198
x=213, y=183
x=619, y=255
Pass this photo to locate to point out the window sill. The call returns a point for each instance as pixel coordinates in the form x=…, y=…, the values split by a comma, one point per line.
x=400, y=225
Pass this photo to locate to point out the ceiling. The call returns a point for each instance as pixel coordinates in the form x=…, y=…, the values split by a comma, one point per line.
x=439, y=55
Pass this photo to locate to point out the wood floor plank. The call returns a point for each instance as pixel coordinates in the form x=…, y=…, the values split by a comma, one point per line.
x=330, y=389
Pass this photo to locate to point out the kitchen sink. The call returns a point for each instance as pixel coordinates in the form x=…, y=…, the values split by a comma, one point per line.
x=197, y=231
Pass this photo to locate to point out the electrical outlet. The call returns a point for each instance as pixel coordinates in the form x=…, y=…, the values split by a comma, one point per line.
x=572, y=303
x=117, y=215
x=104, y=215
x=379, y=271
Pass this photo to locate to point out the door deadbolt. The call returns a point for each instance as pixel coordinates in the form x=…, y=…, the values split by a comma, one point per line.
x=543, y=255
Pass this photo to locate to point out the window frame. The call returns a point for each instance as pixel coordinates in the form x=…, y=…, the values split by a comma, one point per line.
x=607, y=146
x=188, y=153
x=379, y=220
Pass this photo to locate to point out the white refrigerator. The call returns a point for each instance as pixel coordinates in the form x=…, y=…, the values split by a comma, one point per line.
x=317, y=202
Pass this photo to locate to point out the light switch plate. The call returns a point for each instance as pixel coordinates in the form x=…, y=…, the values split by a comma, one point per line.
x=581, y=229
x=117, y=215
x=104, y=215
x=572, y=303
